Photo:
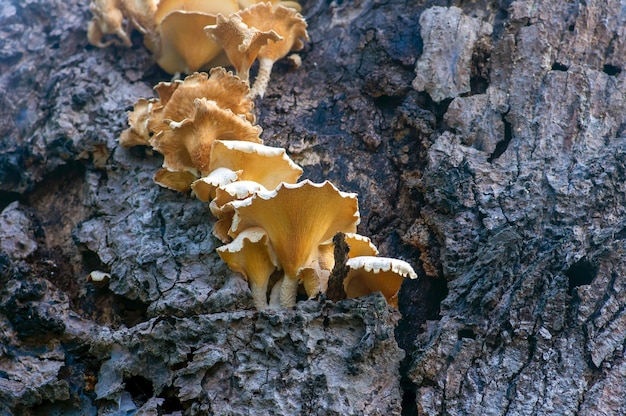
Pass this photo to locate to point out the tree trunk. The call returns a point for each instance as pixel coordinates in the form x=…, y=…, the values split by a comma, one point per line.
x=485, y=141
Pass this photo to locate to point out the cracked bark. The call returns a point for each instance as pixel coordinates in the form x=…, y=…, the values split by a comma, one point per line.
x=496, y=169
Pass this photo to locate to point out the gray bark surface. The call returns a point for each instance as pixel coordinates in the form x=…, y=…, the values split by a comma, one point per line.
x=486, y=141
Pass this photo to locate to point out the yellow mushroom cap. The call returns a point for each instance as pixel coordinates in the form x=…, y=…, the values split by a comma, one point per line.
x=177, y=180
x=268, y=166
x=360, y=245
x=186, y=145
x=297, y=218
x=251, y=255
x=370, y=274
x=240, y=41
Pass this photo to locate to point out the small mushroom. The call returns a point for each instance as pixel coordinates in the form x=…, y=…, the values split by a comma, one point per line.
x=240, y=42
x=186, y=145
x=370, y=274
x=268, y=166
x=297, y=219
x=288, y=24
x=251, y=255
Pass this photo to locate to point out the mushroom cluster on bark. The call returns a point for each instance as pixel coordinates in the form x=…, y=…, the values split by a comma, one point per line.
x=278, y=233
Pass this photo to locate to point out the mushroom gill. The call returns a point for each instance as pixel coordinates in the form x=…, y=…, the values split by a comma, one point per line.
x=297, y=219
x=251, y=255
x=376, y=274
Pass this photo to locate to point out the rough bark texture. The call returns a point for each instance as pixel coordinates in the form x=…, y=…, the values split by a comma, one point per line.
x=486, y=141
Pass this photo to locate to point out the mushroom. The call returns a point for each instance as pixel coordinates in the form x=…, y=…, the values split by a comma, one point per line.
x=288, y=24
x=252, y=255
x=370, y=274
x=297, y=219
x=186, y=145
x=268, y=166
x=180, y=26
x=240, y=42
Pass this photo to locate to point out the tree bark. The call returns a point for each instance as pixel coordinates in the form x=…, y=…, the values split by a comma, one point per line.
x=486, y=141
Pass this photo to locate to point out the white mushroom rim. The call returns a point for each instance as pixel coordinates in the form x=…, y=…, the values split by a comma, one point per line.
x=376, y=265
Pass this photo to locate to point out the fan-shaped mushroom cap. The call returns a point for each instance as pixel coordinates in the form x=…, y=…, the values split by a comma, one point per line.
x=376, y=274
x=360, y=245
x=186, y=145
x=251, y=255
x=240, y=41
x=205, y=187
x=138, y=133
x=177, y=180
x=268, y=166
x=297, y=219
x=288, y=24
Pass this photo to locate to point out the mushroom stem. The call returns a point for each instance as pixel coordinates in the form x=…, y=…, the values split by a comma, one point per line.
x=259, y=294
x=275, y=295
x=262, y=78
x=288, y=291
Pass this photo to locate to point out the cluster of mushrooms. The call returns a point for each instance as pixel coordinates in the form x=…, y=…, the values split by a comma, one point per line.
x=186, y=36
x=277, y=232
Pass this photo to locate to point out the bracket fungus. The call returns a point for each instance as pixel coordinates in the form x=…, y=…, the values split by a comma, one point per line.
x=297, y=219
x=370, y=274
x=252, y=255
